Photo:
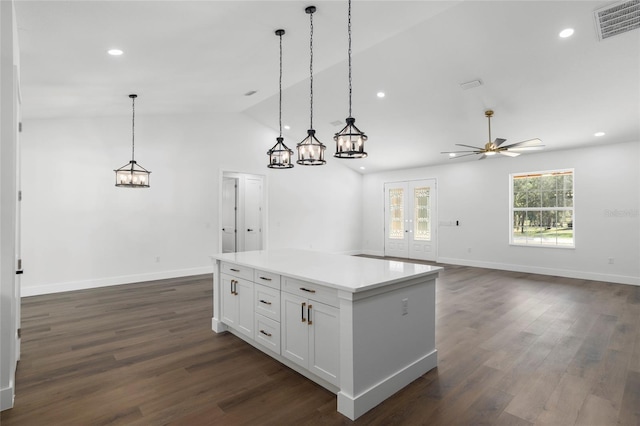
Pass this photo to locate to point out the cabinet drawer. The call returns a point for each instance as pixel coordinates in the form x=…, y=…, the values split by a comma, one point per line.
x=267, y=301
x=267, y=278
x=312, y=291
x=236, y=270
x=268, y=333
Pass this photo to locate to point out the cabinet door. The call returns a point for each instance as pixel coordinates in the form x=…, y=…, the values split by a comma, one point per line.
x=324, y=341
x=295, y=329
x=229, y=301
x=244, y=290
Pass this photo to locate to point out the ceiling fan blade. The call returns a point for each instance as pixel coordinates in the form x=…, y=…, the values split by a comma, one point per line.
x=469, y=146
x=527, y=143
x=482, y=157
x=525, y=148
x=499, y=141
x=464, y=155
x=460, y=152
x=509, y=153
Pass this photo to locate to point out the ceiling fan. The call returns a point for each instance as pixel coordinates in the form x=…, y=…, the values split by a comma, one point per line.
x=491, y=148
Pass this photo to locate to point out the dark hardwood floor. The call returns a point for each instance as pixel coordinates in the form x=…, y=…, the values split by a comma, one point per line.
x=514, y=349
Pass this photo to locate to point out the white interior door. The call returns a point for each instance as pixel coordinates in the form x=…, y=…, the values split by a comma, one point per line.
x=229, y=219
x=410, y=217
x=242, y=210
x=18, y=281
x=253, y=213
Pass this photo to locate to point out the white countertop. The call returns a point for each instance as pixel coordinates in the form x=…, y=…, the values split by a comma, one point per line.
x=350, y=273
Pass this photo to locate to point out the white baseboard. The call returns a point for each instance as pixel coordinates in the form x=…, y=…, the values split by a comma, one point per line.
x=567, y=273
x=373, y=253
x=354, y=407
x=109, y=281
x=6, y=397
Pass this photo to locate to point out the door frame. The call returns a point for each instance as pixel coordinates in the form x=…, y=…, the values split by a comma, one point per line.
x=264, y=213
x=434, y=217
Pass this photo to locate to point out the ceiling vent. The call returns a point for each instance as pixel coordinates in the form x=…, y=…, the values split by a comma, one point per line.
x=617, y=19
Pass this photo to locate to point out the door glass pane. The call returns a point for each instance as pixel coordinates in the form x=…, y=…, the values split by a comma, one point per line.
x=422, y=221
x=396, y=213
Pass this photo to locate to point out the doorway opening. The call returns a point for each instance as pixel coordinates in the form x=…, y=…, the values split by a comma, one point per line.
x=242, y=212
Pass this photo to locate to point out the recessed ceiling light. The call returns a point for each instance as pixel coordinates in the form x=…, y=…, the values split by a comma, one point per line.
x=380, y=94
x=287, y=127
x=598, y=134
x=452, y=154
x=567, y=32
x=115, y=52
x=362, y=167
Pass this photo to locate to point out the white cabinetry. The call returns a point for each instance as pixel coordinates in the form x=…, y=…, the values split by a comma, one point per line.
x=237, y=298
x=310, y=330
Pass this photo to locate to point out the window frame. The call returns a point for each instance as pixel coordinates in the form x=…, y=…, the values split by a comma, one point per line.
x=513, y=209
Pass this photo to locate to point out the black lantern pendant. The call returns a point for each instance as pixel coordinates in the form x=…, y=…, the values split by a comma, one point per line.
x=132, y=175
x=280, y=155
x=350, y=140
x=311, y=150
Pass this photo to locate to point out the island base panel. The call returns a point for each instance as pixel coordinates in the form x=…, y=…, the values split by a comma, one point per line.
x=354, y=407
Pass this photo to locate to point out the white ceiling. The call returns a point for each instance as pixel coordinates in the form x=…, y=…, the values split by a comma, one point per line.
x=203, y=56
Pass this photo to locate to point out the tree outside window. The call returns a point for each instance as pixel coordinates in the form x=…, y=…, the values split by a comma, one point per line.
x=542, y=209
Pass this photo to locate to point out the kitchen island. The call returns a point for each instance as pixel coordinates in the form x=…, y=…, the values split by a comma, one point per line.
x=363, y=328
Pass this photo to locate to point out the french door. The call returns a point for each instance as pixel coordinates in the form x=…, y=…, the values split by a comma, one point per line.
x=410, y=219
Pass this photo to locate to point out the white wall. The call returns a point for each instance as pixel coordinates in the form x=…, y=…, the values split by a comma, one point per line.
x=476, y=193
x=80, y=231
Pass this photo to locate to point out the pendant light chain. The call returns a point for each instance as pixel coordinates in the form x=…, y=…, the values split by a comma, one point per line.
x=280, y=88
x=133, y=128
x=349, y=31
x=311, y=68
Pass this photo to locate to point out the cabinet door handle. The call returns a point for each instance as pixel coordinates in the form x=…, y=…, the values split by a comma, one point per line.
x=302, y=312
x=234, y=289
x=231, y=286
x=265, y=333
x=307, y=290
x=309, y=314
x=235, y=270
x=265, y=302
x=265, y=278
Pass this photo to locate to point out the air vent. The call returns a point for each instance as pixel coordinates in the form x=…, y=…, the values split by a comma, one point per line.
x=617, y=19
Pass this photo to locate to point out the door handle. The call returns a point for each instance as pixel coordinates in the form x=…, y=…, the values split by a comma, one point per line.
x=249, y=230
x=309, y=314
x=302, y=312
x=19, y=272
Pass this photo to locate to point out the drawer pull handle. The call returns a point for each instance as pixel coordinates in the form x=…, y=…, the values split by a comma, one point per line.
x=302, y=312
x=309, y=314
x=265, y=278
x=235, y=270
x=234, y=287
x=265, y=302
x=307, y=290
x=265, y=333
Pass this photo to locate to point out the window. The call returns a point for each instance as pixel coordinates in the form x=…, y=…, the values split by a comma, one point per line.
x=542, y=209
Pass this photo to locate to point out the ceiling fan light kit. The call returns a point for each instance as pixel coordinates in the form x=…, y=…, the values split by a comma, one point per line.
x=496, y=147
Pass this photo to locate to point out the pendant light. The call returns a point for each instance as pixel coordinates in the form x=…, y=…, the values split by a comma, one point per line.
x=132, y=175
x=350, y=140
x=311, y=150
x=280, y=155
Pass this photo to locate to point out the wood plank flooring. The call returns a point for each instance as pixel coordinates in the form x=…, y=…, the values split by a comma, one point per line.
x=514, y=349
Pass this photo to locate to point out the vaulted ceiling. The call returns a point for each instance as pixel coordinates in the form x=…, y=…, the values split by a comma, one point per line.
x=187, y=57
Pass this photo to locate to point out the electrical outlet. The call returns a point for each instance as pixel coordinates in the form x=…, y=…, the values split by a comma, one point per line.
x=405, y=306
